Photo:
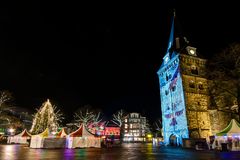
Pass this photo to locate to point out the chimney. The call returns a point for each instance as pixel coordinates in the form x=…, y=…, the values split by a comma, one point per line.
x=177, y=43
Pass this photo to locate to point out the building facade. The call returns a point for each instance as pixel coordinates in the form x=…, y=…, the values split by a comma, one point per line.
x=134, y=128
x=111, y=130
x=183, y=92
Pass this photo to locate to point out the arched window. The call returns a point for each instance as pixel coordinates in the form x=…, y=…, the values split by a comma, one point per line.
x=191, y=84
x=167, y=77
x=200, y=86
x=194, y=70
x=173, y=88
x=166, y=92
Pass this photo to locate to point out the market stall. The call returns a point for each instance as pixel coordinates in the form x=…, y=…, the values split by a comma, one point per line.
x=81, y=138
x=21, y=138
x=229, y=137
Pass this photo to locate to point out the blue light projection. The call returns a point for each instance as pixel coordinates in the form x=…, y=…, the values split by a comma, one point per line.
x=172, y=97
x=172, y=101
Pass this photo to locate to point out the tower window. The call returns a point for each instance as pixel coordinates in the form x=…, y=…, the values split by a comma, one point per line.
x=173, y=88
x=191, y=84
x=200, y=86
x=168, y=76
x=194, y=70
x=166, y=92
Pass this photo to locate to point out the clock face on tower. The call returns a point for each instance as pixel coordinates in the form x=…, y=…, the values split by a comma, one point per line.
x=191, y=51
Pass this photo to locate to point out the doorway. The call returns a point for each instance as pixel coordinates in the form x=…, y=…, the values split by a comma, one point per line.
x=173, y=140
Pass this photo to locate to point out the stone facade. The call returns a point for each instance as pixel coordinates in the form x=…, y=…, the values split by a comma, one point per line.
x=195, y=84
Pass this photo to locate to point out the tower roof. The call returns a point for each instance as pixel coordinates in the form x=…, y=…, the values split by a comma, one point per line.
x=178, y=42
x=179, y=39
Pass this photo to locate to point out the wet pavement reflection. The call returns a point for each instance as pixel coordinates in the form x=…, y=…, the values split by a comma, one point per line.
x=125, y=152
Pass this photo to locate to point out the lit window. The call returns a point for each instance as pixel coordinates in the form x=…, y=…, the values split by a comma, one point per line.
x=130, y=125
x=126, y=126
x=136, y=134
x=125, y=120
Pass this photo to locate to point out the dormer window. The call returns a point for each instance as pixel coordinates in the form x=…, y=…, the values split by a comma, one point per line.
x=166, y=58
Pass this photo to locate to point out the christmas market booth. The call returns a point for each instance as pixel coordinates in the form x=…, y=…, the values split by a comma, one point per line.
x=228, y=138
x=37, y=140
x=21, y=138
x=48, y=140
x=61, y=134
x=82, y=138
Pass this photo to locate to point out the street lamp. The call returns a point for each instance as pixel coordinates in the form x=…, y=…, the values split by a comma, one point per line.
x=11, y=130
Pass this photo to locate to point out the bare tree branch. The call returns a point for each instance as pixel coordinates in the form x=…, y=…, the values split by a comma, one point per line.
x=118, y=117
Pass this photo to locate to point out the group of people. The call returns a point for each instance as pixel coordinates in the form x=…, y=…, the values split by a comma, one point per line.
x=229, y=143
x=109, y=141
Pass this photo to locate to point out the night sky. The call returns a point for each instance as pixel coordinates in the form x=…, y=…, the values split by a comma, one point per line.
x=104, y=54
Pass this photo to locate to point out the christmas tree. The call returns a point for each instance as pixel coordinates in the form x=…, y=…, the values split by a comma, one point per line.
x=46, y=117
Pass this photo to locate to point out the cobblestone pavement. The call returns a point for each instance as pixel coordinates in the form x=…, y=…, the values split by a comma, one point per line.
x=124, y=152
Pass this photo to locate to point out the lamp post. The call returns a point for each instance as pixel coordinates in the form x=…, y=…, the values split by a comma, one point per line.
x=11, y=131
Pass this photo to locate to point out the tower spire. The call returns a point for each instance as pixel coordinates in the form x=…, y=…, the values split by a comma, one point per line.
x=171, y=37
x=166, y=58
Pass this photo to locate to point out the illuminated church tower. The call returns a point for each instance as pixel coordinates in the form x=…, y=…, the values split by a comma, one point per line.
x=183, y=92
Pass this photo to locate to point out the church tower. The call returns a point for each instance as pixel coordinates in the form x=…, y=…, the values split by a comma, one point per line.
x=183, y=91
